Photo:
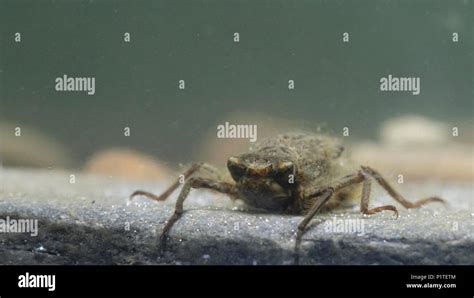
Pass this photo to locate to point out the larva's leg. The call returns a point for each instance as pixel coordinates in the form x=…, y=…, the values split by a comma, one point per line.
x=170, y=189
x=323, y=196
x=194, y=182
x=364, y=202
x=395, y=195
x=362, y=176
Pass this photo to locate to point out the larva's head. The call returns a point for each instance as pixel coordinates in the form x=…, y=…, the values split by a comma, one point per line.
x=263, y=182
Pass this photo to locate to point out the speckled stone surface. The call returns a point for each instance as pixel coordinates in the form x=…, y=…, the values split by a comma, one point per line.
x=92, y=222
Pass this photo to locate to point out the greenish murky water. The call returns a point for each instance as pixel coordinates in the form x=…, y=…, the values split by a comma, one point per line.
x=336, y=83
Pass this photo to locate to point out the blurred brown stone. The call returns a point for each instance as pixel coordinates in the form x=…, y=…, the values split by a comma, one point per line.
x=126, y=163
x=419, y=148
x=454, y=163
x=33, y=148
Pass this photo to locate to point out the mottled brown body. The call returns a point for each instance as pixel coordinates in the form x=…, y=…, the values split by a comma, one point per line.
x=293, y=173
x=264, y=179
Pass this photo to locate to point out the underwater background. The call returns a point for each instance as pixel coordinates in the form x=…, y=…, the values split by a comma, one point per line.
x=70, y=161
x=336, y=83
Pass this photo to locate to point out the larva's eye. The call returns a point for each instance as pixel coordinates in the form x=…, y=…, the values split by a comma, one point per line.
x=236, y=168
x=285, y=167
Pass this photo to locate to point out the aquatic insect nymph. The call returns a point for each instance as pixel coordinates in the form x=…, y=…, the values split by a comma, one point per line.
x=293, y=173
